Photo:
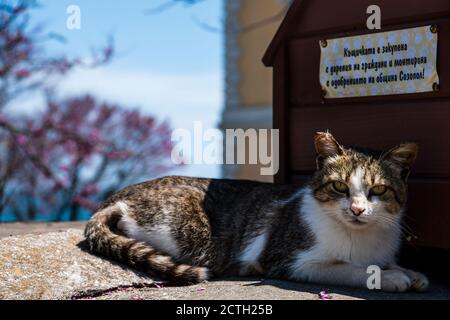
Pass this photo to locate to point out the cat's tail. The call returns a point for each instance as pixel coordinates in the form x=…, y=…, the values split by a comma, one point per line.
x=103, y=240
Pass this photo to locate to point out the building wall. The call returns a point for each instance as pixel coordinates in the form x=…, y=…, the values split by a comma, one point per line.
x=255, y=87
x=249, y=27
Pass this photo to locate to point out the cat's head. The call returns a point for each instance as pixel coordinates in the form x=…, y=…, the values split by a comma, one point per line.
x=361, y=189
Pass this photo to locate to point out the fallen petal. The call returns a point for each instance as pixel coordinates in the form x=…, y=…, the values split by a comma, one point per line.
x=323, y=295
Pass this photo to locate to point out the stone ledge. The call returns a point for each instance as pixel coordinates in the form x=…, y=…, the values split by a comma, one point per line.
x=17, y=228
x=56, y=266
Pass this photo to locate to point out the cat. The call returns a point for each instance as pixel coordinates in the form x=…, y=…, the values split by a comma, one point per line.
x=348, y=217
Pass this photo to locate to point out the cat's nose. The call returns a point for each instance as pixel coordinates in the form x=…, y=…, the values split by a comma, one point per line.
x=357, y=206
x=357, y=210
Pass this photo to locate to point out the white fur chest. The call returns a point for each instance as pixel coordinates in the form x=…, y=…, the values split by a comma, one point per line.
x=335, y=242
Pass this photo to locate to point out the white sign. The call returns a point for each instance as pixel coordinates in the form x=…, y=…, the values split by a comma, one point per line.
x=394, y=62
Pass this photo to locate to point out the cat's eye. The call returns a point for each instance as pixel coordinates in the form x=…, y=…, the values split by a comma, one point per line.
x=340, y=187
x=378, y=190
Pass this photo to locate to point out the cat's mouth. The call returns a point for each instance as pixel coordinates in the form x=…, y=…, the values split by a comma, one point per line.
x=357, y=222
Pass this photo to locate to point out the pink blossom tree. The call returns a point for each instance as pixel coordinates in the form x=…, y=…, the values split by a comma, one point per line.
x=91, y=149
x=78, y=150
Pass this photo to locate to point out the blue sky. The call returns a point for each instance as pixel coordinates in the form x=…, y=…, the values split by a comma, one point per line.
x=166, y=64
x=167, y=42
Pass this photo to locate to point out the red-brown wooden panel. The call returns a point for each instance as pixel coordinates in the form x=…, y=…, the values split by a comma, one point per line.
x=305, y=62
x=281, y=112
x=428, y=215
x=300, y=179
x=377, y=126
x=321, y=16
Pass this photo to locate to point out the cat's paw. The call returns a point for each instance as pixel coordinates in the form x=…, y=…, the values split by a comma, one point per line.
x=419, y=282
x=395, y=281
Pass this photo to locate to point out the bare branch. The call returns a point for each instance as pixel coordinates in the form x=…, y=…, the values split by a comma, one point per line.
x=169, y=4
x=247, y=28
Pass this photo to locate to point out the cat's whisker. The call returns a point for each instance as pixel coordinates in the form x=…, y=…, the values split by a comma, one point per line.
x=392, y=222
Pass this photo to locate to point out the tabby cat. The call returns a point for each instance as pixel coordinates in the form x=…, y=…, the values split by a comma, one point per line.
x=346, y=218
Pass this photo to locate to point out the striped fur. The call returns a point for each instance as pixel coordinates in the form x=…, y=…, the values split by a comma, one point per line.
x=103, y=238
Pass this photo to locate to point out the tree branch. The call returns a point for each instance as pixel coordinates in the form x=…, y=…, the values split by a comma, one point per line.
x=169, y=4
x=247, y=28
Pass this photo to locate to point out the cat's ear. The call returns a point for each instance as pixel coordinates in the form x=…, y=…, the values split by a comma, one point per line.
x=326, y=146
x=402, y=157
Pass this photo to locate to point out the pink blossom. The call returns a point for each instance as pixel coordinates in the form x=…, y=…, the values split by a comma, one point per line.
x=60, y=184
x=117, y=155
x=21, y=139
x=84, y=202
x=64, y=167
x=22, y=73
x=324, y=295
x=95, y=135
x=91, y=188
